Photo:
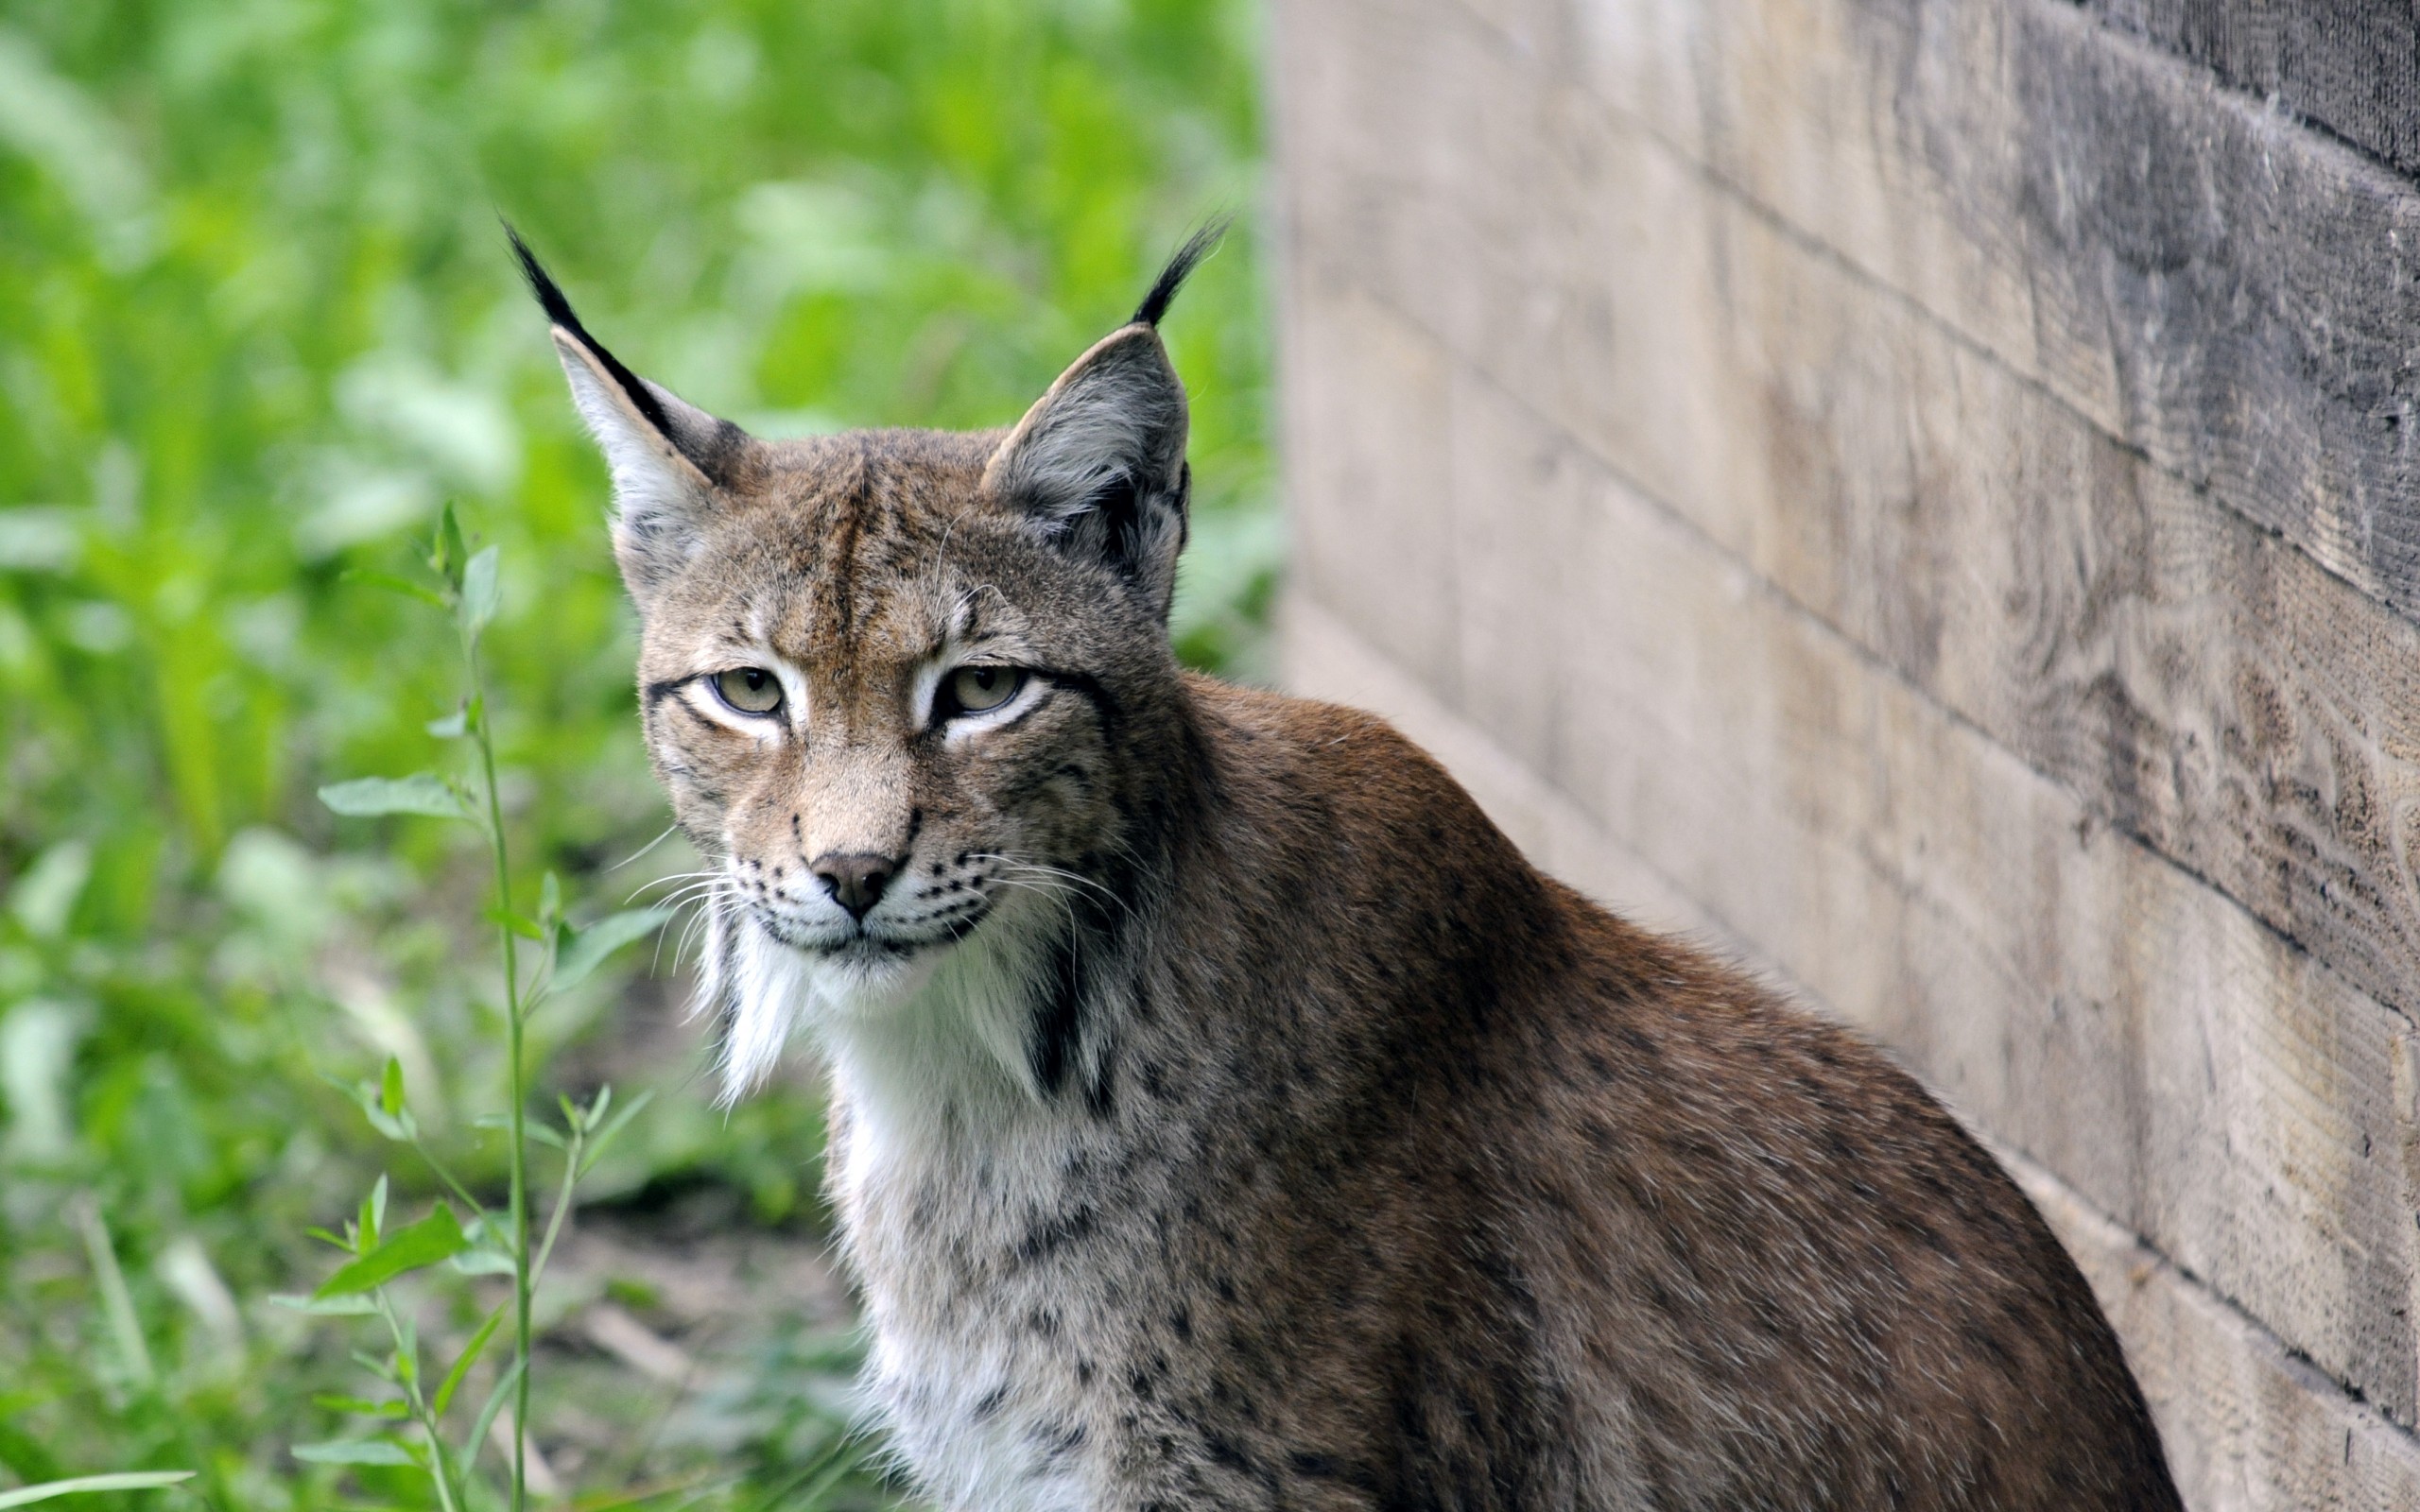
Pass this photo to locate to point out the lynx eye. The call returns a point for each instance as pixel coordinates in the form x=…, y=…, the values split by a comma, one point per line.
x=977, y=690
x=749, y=690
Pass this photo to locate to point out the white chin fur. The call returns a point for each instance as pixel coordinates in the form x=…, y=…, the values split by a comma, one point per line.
x=761, y=987
x=968, y=1003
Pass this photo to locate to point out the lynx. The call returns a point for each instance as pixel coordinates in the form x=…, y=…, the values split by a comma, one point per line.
x=1223, y=1113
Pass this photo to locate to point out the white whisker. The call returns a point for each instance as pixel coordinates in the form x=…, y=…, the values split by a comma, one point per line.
x=1060, y=873
x=669, y=879
x=645, y=848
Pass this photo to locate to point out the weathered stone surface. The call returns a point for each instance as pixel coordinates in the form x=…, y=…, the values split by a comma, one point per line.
x=2191, y=1072
x=1383, y=539
x=2350, y=67
x=2230, y=701
x=2197, y=275
x=2248, y=1427
x=1922, y=493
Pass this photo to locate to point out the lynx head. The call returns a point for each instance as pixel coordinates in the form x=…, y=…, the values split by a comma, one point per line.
x=906, y=689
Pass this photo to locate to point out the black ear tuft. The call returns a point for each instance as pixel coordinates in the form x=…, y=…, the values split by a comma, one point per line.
x=668, y=458
x=559, y=310
x=549, y=295
x=1180, y=266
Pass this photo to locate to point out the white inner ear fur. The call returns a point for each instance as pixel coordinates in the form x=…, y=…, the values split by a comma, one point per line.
x=660, y=498
x=1119, y=410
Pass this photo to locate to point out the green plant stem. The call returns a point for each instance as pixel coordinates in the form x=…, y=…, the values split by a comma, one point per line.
x=453, y=1182
x=563, y=1202
x=441, y=1470
x=515, y=1073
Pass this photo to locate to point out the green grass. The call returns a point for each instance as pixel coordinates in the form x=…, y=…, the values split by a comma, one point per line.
x=256, y=324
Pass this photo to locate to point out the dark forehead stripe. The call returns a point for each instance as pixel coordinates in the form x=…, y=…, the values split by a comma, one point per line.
x=857, y=518
x=853, y=505
x=882, y=517
x=880, y=528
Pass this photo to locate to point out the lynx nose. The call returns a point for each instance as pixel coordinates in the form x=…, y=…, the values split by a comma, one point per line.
x=856, y=881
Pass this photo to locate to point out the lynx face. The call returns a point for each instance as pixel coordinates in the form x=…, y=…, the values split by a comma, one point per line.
x=886, y=679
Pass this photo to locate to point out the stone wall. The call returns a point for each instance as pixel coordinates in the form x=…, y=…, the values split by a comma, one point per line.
x=1925, y=494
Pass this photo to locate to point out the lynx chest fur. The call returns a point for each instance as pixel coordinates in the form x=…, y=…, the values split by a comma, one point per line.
x=1224, y=1114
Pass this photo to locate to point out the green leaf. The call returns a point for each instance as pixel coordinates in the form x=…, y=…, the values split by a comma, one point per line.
x=390, y=1087
x=496, y=1395
x=364, y=1408
x=369, y=1096
x=480, y=590
x=393, y=585
x=434, y=1238
x=603, y=1137
x=539, y=1129
x=326, y=1306
x=550, y=900
x=120, y=1480
x=589, y=947
x=450, y=553
x=356, y=1452
x=407, y=1351
x=453, y=1381
x=421, y=793
x=584, y=1119
x=481, y=1261
x=374, y=1217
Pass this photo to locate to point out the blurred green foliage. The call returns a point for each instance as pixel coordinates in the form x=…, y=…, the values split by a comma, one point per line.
x=255, y=324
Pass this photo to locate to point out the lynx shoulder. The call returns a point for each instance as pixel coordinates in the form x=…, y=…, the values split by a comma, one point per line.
x=1225, y=1113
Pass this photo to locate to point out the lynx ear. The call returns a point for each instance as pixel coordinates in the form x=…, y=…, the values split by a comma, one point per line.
x=1098, y=461
x=670, y=459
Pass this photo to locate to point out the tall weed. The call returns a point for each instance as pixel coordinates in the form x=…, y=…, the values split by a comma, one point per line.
x=467, y=590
